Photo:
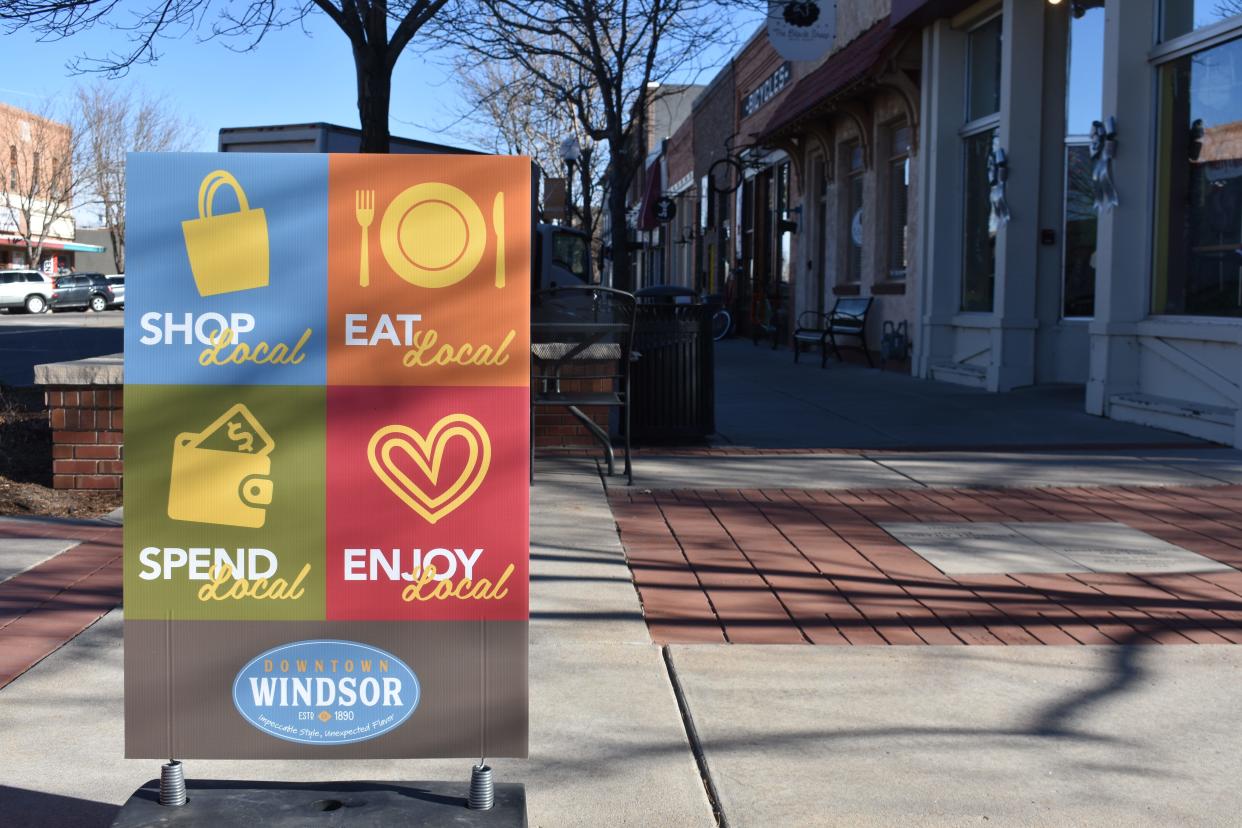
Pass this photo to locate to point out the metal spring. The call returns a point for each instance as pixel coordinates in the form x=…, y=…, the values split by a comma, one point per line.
x=172, y=784
x=482, y=791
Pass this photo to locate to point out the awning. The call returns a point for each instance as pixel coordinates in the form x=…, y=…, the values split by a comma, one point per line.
x=837, y=75
x=651, y=194
x=55, y=244
x=917, y=13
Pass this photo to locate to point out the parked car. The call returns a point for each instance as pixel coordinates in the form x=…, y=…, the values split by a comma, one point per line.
x=80, y=291
x=24, y=291
x=116, y=281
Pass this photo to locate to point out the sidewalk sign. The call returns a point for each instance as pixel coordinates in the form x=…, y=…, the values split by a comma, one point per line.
x=327, y=437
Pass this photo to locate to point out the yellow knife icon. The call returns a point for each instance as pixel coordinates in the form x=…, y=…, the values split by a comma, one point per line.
x=498, y=224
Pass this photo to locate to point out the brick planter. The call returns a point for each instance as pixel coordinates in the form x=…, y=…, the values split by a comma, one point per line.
x=84, y=403
x=83, y=400
x=555, y=427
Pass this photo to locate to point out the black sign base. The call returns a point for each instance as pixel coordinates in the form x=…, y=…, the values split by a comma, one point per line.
x=228, y=803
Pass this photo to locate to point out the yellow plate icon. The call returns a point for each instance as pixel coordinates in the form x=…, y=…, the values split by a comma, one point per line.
x=433, y=235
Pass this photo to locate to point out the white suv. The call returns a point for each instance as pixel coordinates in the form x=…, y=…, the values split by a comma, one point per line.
x=24, y=290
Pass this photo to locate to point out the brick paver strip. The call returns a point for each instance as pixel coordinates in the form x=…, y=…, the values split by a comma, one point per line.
x=803, y=566
x=51, y=603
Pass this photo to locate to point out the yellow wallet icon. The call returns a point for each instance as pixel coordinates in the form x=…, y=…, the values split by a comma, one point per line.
x=221, y=474
x=227, y=252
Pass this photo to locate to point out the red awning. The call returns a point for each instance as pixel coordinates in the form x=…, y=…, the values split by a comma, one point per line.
x=836, y=75
x=54, y=244
x=916, y=13
x=646, y=216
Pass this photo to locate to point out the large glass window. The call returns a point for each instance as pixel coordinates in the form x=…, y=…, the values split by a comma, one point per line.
x=1083, y=101
x=979, y=254
x=1198, y=267
x=984, y=70
x=1179, y=17
x=821, y=225
x=1079, y=234
x=854, y=220
x=898, y=203
x=784, y=245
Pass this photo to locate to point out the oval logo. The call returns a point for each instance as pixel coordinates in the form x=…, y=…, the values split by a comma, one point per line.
x=325, y=692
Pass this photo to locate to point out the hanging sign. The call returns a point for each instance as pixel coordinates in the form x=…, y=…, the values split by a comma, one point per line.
x=802, y=29
x=326, y=493
x=665, y=210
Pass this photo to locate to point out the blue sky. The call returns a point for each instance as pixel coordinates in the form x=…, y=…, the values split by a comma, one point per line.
x=293, y=77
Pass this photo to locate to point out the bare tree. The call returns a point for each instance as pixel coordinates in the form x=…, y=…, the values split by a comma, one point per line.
x=42, y=178
x=506, y=110
x=616, y=49
x=378, y=33
x=116, y=121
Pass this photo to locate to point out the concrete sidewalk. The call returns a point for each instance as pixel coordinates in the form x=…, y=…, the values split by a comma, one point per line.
x=789, y=735
x=607, y=741
x=763, y=399
x=931, y=736
x=887, y=470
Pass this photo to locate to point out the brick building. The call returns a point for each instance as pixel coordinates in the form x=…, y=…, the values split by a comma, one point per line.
x=36, y=176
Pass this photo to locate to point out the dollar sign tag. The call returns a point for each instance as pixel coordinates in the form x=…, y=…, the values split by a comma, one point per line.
x=245, y=438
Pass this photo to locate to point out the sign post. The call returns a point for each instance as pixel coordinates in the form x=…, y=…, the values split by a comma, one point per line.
x=326, y=499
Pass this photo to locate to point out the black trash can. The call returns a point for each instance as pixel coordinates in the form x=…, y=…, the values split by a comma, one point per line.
x=673, y=377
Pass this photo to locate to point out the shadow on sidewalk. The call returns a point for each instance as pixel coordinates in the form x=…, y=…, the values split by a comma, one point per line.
x=37, y=809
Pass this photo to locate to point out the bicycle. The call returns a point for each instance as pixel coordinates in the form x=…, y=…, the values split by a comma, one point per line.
x=722, y=324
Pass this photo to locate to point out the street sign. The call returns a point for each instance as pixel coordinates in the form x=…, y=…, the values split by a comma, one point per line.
x=665, y=210
x=326, y=493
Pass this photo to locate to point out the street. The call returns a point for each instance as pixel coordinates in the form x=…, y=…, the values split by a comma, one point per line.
x=27, y=341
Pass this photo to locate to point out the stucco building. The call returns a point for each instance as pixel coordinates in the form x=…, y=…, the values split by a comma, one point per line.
x=1140, y=302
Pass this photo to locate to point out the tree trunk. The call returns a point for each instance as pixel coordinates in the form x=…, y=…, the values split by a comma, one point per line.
x=118, y=246
x=374, y=94
x=622, y=278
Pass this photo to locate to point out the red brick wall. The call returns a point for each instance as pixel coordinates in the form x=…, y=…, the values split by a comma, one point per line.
x=87, y=436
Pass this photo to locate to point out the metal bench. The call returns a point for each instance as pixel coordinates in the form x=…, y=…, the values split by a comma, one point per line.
x=848, y=317
x=593, y=327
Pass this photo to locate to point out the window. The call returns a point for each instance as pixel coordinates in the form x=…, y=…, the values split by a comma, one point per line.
x=34, y=172
x=979, y=253
x=1198, y=255
x=898, y=203
x=821, y=232
x=12, y=167
x=784, y=239
x=1179, y=17
x=1083, y=98
x=982, y=118
x=983, y=70
x=852, y=216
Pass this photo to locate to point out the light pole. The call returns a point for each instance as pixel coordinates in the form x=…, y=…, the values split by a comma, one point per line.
x=571, y=153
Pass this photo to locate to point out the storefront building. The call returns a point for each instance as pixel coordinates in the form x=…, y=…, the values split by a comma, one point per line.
x=850, y=127
x=33, y=204
x=679, y=231
x=714, y=123
x=764, y=250
x=1050, y=257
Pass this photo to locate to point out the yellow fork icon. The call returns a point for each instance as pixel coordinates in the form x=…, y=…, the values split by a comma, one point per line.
x=364, y=213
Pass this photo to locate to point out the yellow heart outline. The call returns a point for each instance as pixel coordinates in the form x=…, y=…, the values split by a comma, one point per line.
x=427, y=452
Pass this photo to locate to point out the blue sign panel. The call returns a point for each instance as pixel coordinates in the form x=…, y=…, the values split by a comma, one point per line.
x=227, y=273
x=326, y=692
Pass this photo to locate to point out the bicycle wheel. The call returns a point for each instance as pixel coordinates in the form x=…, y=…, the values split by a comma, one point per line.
x=722, y=322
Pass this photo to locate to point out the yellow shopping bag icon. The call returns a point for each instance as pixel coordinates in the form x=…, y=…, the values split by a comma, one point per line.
x=228, y=486
x=228, y=252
